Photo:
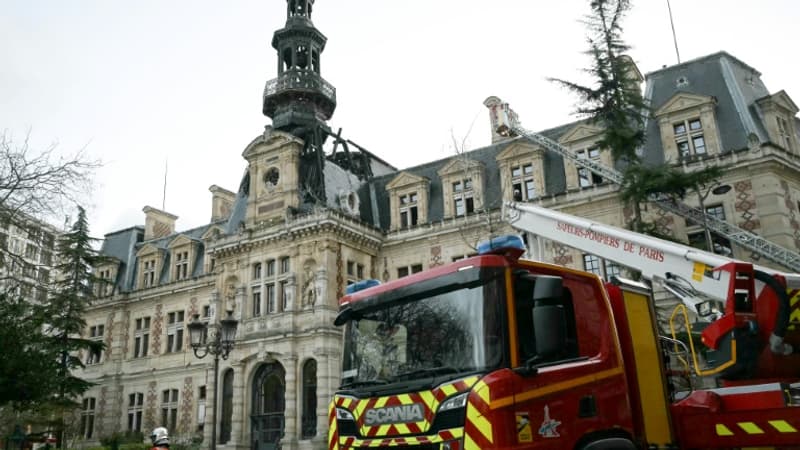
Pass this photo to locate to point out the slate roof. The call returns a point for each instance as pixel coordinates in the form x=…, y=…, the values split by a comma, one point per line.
x=734, y=85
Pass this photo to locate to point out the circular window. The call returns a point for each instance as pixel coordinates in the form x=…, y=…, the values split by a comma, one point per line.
x=271, y=177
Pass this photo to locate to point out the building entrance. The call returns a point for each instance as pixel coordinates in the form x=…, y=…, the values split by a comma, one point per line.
x=267, y=416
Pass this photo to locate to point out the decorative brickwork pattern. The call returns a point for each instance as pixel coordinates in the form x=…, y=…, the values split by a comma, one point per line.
x=187, y=400
x=150, y=411
x=158, y=324
x=436, y=256
x=109, y=339
x=339, y=272
x=562, y=254
x=193, y=307
x=100, y=415
x=126, y=323
x=791, y=206
x=117, y=425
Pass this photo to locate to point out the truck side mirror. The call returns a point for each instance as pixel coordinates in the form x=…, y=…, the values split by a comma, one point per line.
x=548, y=287
x=550, y=328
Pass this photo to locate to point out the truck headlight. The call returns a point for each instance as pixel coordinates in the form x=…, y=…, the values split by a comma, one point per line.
x=343, y=414
x=455, y=402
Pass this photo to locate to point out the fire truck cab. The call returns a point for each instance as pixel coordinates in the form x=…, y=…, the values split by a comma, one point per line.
x=496, y=352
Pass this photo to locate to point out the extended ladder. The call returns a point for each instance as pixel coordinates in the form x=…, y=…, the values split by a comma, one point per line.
x=505, y=123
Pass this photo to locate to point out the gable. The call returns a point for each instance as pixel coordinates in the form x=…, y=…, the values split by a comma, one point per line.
x=180, y=241
x=212, y=233
x=683, y=101
x=405, y=179
x=459, y=166
x=269, y=140
x=782, y=99
x=519, y=149
x=148, y=250
x=580, y=132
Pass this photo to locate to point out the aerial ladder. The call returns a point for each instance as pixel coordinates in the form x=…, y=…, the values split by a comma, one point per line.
x=505, y=122
x=728, y=298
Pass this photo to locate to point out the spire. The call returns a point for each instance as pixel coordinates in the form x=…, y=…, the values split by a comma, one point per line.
x=299, y=101
x=299, y=96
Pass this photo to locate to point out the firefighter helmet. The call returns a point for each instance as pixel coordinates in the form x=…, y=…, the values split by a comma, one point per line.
x=159, y=436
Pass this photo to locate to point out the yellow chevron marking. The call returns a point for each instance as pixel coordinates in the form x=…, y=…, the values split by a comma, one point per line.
x=402, y=428
x=383, y=430
x=404, y=399
x=469, y=444
x=722, y=430
x=380, y=402
x=360, y=406
x=429, y=399
x=480, y=422
x=750, y=428
x=483, y=391
x=782, y=426
x=448, y=390
x=470, y=381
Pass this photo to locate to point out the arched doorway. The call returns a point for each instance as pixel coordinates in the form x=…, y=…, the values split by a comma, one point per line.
x=267, y=415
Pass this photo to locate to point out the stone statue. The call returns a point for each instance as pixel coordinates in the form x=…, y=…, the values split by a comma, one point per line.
x=309, y=289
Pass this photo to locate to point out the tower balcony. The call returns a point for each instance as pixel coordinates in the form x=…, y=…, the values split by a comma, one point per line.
x=299, y=86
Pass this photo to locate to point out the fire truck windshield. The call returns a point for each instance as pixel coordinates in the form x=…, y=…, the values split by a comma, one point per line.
x=451, y=329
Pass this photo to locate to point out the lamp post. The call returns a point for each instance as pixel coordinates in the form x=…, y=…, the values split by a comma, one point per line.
x=220, y=346
x=716, y=190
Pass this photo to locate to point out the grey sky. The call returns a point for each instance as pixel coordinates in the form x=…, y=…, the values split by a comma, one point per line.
x=143, y=82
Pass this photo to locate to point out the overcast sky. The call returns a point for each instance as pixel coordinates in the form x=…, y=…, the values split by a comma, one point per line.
x=148, y=82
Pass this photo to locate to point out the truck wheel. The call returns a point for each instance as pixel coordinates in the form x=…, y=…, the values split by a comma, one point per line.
x=611, y=443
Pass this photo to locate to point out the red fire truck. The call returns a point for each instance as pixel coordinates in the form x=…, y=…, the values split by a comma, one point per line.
x=496, y=351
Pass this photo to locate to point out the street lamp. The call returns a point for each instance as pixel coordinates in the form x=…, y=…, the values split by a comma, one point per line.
x=220, y=345
x=716, y=190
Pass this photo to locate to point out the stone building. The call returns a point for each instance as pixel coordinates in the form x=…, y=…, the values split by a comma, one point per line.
x=307, y=220
x=27, y=255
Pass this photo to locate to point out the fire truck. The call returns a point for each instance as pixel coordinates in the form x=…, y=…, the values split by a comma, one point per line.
x=500, y=352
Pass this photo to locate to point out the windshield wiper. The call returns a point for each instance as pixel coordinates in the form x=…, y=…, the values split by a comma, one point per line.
x=432, y=371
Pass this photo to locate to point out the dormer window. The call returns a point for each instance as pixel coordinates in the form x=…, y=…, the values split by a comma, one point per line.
x=689, y=138
x=586, y=177
x=409, y=214
x=181, y=265
x=95, y=355
x=149, y=273
x=463, y=201
x=522, y=183
x=784, y=133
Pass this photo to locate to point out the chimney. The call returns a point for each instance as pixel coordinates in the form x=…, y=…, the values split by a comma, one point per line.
x=158, y=223
x=632, y=74
x=221, y=202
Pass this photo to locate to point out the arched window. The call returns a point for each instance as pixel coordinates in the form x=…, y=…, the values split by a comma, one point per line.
x=268, y=406
x=309, y=398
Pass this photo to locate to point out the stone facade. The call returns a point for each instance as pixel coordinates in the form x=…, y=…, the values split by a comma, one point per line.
x=280, y=264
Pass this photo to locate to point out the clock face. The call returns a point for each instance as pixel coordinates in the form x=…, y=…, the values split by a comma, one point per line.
x=271, y=177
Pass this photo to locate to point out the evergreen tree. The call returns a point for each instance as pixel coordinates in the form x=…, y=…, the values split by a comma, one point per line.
x=614, y=102
x=28, y=369
x=72, y=294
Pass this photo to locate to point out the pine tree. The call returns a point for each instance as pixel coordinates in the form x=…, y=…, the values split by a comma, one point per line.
x=72, y=294
x=614, y=102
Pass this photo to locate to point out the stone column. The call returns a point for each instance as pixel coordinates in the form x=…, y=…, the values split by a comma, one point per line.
x=291, y=428
x=239, y=414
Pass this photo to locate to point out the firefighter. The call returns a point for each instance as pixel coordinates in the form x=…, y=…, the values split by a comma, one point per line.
x=159, y=438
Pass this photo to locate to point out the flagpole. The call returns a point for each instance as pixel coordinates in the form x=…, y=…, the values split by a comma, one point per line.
x=674, y=36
